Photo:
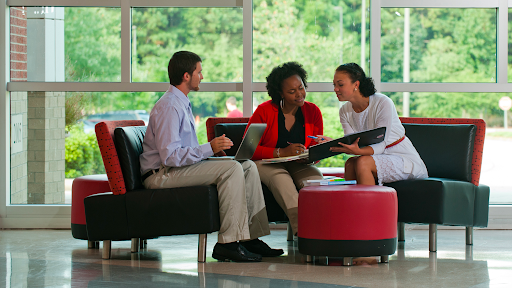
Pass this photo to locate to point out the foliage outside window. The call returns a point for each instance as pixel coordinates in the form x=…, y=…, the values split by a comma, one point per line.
x=447, y=45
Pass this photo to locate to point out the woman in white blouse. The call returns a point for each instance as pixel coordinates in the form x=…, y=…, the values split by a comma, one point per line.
x=391, y=160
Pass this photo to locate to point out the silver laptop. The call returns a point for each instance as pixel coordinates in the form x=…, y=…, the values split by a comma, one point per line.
x=248, y=144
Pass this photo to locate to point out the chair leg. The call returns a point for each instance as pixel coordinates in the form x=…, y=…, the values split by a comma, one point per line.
x=432, y=237
x=141, y=244
x=91, y=244
x=289, y=234
x=401, y=231
x=201, y=254
x=347, y=261
x=309, y=258
x=469, y=235
x=135, y=245
x=384, y=259
x=107, y=251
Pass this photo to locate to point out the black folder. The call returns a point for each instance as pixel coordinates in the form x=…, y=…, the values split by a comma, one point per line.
x=368, y=137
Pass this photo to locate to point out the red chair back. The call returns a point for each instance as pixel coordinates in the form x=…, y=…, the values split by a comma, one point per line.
x=478, y=148
x=105, y=137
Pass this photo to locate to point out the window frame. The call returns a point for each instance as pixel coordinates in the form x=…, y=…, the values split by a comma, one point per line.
x=58, y=216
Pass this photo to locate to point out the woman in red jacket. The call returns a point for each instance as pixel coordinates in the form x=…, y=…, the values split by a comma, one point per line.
x=290, y=120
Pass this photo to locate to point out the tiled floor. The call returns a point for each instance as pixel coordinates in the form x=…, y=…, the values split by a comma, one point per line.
x=52, y=258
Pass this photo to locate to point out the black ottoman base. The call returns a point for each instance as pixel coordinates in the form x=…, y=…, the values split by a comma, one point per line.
x=347, y=248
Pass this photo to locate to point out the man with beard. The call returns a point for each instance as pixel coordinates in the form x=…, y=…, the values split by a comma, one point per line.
x=172, y=157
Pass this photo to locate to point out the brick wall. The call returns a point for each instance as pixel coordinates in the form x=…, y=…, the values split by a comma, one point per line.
x=18, y=43
x=18, y=105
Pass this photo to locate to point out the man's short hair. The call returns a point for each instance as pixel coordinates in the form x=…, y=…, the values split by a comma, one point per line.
x=182, y=62
x=231, y=100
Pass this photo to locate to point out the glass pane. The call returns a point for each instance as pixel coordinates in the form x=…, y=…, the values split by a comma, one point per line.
x=73, y=44
x=446, y=45
x=215, y=34
x=318, y=34
x=329, y=106
x=53, y=139
x=497, y=156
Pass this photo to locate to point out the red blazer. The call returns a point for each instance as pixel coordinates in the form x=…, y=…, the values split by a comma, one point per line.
x=267, y=113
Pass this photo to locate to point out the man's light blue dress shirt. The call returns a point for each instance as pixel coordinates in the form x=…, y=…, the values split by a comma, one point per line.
x=171, y=136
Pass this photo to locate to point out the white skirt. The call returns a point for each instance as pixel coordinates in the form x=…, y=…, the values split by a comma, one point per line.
x=390, y=168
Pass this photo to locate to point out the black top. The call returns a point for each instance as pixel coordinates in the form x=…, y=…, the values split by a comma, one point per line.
x=297, y=133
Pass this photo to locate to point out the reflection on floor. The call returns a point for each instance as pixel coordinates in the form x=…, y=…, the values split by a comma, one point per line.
x=52, y=258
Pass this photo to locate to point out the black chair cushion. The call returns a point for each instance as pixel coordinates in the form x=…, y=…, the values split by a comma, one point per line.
x=481, y=217
x=234, y=131
x=105, y=215
x=446, y=150
x=128, y=142
x=435, y=201
x=177, y=211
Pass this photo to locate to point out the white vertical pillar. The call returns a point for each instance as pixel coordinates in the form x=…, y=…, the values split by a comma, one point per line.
x=60, y=53
x=45, y=44
x=45, y=110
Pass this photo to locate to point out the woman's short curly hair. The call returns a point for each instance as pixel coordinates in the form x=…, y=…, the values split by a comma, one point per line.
x=279, y=74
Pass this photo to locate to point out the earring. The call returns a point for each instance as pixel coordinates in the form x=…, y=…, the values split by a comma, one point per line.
x=282, y=104
x=356, y=89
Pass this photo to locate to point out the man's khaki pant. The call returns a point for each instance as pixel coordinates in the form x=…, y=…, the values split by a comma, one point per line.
x=285, y=180
x=241, y=205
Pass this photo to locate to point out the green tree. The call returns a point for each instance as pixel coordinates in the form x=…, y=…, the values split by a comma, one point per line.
x=93, y=43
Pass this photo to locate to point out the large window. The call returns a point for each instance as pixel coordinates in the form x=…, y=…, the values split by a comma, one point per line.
x=318, y=34
x=443, y=45
x=73, y=44
x=72, y=66
x=215, y=34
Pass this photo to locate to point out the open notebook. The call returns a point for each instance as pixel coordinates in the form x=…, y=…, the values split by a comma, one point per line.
x=321, y=151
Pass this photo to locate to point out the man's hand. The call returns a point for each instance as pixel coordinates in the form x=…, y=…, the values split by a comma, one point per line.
x=221, y=143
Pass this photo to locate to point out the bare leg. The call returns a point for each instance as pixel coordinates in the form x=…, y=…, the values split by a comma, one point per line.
x=366, y=170
x=364, y=260
x=350, y=168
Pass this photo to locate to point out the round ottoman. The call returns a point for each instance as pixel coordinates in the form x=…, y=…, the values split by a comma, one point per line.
x=82, y=187
x=347, y=221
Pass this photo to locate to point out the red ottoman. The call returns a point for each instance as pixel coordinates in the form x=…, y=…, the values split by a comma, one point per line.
x=347, y=221
x=82, y=187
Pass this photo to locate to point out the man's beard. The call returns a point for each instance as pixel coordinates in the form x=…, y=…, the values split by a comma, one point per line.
x=192, y=88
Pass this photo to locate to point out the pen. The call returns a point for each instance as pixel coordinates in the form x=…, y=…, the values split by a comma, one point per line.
x=314, y=137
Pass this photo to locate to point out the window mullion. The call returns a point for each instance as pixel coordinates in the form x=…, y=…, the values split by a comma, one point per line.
x=126, y=29
x=502, y=43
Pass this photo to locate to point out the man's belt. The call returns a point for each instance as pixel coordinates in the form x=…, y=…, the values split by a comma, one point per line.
x=149, y=173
